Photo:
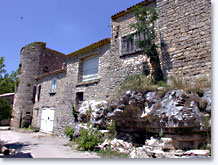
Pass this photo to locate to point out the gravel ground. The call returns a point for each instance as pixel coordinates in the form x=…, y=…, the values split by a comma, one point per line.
x=39, y=145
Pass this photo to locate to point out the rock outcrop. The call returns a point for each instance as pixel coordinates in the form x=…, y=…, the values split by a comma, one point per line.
x=183, y=116
x=93, y=111
x=149, y=111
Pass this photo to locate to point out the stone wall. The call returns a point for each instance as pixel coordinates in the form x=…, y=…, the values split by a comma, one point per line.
x=185, y=30
x=51, y=60
x=23, y=101
x=92, y=90
x=34, y=57
x=55, y=100
x=183, y=37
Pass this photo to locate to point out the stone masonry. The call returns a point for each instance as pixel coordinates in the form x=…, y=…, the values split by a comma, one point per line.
x=184, y=45
x=35, y=60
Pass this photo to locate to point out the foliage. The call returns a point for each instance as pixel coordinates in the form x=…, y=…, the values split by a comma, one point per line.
x=7, y=82
x=5, y=110
x=196, y=86
x=108, y=153
x=35, y=129
x=145, y=26
x=2, y=65
x=111, y=126
x=26, y=124
x=69, y=132
x=89, y=113
x=140, y=82
x=89, y=138
x=31, y=128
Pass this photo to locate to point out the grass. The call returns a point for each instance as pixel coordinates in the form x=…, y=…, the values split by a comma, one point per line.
x=31, y=128
x=140, y=82
x=108, y=153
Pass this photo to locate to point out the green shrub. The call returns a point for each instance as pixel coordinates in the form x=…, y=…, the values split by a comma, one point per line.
x=89, y=138
x=108, y=153
x=69, y=131
x=5, y=110
x=111, y=126
x=26, y=124
x=35, y=129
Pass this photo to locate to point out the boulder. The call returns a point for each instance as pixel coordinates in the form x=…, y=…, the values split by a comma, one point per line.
x=167, y=144
x=139, y=152
x=94, y=111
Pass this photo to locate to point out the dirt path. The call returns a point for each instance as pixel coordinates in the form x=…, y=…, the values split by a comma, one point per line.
x=39, y=145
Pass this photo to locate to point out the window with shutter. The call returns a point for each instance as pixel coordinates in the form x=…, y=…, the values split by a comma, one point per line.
x=129, y=46
x=53, y=86
x=38, y=90
x=90, y=68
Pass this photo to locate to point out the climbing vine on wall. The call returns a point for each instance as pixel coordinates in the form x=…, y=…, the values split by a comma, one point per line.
x=145, y=26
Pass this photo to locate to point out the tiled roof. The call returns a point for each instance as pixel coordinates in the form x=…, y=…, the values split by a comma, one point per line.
x=51, y=73
x=128, y=10
x=90, y=47
x=6, y=94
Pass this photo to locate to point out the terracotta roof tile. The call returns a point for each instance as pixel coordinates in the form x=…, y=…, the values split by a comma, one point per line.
x=128, y=10
x=51, y=73
x=90, y=47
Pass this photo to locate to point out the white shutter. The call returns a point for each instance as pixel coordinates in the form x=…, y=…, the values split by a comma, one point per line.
x=90, y=68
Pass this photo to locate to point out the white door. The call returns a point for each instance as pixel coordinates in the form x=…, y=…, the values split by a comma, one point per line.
x=47, y=120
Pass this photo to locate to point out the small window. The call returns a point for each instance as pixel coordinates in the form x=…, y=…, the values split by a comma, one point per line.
x=28, y=113
x=79, y=97
x=53, y=86
x=90, y=68
x=38, y=90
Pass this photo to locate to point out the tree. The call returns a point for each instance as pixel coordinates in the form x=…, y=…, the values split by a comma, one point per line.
x=5, y=110
x=2, y=65
x=145, y=25
x=7, y=82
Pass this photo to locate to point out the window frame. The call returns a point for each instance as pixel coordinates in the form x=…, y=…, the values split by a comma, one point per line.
x=92, y=76
x=38, y=92
x=129, y=46
x=55, y=86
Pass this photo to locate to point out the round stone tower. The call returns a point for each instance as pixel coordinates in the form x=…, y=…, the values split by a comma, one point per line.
x=24, y=96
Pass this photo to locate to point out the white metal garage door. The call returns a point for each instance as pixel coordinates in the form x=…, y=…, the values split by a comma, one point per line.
x=47, y=120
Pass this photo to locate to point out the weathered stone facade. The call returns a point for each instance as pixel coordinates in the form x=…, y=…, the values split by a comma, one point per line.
x=185, y=30
x=35, y=60
x=183, y=39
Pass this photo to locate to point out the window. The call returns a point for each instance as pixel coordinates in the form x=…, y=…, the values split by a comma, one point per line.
x=53, y=86
x=128, y=44
x=38, y=90
x=79, y=97
x=90, y=68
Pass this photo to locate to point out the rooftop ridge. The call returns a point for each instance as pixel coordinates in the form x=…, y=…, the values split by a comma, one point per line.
x=128, y=10
x=90, y=47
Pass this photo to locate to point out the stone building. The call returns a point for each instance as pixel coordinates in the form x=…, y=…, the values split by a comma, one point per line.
x=53, y=85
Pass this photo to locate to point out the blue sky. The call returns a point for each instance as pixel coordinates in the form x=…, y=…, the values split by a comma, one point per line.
x=65, y=25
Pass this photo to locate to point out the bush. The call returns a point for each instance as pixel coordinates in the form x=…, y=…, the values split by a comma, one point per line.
x=26, y=124
x=69, y=132
x=111, y=126
x=5, y=110
x=34, y=129
x=89, y=138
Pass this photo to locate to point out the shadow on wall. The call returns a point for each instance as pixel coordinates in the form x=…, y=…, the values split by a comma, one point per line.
x=166, y=60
